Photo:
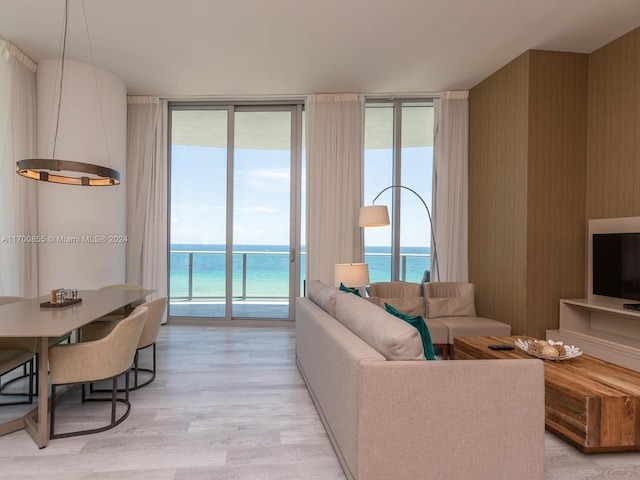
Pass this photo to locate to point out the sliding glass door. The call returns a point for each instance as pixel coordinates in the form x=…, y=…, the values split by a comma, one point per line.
x=261, y=213
x=197, y=261
x=235, y=210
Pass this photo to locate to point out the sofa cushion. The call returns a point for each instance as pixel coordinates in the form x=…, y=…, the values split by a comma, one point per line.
x=410, y=305
x=475, y=327
x=439, y=331
x=451, y=307
x=323, y=296
x=418, y=323
x=390, y=336
x=395, y=289
x=374, y=300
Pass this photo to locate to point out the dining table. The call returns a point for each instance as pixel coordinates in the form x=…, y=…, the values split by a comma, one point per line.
x=37, y=318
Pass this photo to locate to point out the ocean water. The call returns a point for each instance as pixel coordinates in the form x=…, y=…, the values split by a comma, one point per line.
x=265, y=269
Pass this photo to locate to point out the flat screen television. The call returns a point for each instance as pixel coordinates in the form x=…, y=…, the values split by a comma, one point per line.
x=616, y=265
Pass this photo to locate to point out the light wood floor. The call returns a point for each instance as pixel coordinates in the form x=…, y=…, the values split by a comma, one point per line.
x=228, y=403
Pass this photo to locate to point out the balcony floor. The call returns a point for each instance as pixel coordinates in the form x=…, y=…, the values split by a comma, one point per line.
x=254, y=309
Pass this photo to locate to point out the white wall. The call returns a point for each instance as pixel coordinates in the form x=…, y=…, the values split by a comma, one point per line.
x=70, y=212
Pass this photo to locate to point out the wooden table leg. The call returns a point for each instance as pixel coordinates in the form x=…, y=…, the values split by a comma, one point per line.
x=38, y=427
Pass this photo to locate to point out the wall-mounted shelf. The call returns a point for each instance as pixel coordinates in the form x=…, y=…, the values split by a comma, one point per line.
x=603, y=330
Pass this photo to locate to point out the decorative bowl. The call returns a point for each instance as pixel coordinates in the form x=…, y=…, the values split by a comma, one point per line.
x=545, y=349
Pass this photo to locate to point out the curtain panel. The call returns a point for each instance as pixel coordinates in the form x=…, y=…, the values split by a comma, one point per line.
x=451, y=185
x=146, y=183
x=18, y=195
x=334, y=146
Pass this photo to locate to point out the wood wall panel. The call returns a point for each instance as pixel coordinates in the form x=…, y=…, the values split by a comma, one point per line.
x=556, y=196
x=613, y=141
x=527, y=189
x=497, y=184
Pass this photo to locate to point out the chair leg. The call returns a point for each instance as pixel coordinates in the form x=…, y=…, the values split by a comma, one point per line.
x=52, y=415
x=115, y=421
x=28, y=372
x=31, y=368
x=151, y=370
x=35, y=372
x=114, y=398
x=135, y=370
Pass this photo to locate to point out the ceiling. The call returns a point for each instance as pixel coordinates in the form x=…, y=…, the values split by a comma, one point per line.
x=252, y=48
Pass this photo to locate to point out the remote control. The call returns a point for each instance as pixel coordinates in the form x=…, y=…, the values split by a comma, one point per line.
x=502, y=347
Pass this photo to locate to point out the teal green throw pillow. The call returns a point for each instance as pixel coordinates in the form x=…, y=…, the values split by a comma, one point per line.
x=419, y=323
x=349, y=290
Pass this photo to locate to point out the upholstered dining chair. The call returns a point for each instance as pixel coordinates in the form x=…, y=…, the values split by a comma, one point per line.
x=124, y=311
x=148, y=339
x=28, y=369
x=100, y=328
x=103, y=359
x=17, y=352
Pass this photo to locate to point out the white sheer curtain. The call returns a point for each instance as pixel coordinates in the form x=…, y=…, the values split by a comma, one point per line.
x=147, y=193
x=334, y=141
x=18, y=201
x=451, y=185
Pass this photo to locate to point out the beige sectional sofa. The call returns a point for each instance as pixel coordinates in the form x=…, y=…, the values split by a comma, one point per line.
x=392, y=415
x=448, y=309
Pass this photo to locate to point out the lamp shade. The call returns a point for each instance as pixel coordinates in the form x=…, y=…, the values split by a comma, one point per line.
x=374, y=216
x=351, y=274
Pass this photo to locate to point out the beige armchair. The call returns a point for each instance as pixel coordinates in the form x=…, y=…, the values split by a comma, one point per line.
x=407, y=297
x=101, y=328
x=453, y=304
x=103, y=359
x=14, y=353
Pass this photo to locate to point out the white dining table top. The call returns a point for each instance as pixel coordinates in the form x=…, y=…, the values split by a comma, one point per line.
x=27, y=318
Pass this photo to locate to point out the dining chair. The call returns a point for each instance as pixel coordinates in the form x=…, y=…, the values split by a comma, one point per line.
x=99, y=329
x=103, y=359
x=126, y=310
x=148, y=339
x=102, y=326
x=17, y=352
x=27, y=371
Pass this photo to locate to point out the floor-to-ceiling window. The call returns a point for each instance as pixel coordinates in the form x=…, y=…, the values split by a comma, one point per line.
x=399, y=151
x=235, y=210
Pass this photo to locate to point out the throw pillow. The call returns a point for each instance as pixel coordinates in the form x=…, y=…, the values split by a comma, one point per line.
x=451, y=307
x=350, y=290
x=419, y=323
x=410, y=305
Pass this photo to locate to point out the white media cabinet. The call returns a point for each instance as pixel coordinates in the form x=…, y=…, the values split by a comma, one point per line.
x=603, y=330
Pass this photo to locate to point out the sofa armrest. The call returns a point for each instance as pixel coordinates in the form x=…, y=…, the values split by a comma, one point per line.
x=455, y=419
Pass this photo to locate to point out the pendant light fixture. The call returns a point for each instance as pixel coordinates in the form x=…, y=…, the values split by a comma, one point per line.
x=66, y=171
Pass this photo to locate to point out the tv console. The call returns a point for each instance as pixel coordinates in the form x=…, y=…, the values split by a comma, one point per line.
x=603, y=330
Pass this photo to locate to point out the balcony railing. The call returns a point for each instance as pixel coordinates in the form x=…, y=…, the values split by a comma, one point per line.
x=259, y=275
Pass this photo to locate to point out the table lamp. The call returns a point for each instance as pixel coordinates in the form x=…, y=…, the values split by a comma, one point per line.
x=352, y=275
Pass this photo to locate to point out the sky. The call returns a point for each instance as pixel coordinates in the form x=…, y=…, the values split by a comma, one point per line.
x=261, y=195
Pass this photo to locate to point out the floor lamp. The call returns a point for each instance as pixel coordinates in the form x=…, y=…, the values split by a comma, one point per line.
x=378, y=216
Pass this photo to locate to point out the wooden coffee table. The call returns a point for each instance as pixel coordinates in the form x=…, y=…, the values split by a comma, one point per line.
x=592, y=404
